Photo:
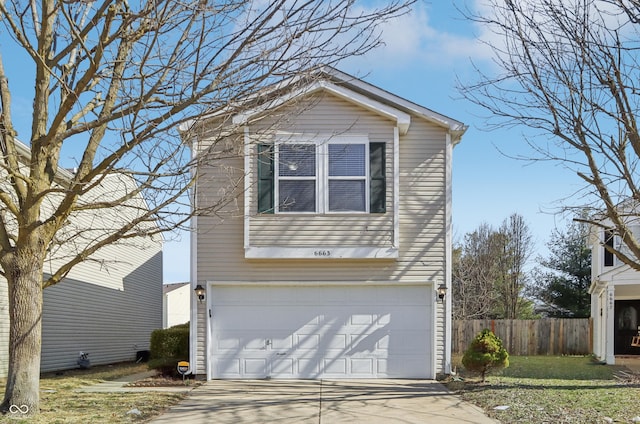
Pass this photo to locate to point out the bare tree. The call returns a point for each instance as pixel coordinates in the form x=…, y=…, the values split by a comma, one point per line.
x=112, y=81
x=475, y=273
x=569, y=71
x=488, y=271
x=515, y=249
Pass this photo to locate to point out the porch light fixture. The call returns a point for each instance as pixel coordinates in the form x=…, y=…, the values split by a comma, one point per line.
x=442, y=291
x=199, y=292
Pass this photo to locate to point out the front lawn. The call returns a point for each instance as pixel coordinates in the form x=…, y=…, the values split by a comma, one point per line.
x=60, y=403
x=549, y=389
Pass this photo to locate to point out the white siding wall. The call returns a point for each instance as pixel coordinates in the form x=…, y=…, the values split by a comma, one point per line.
x=109, y=323
x=422, y=220
x=107, y=306
x=176, y=306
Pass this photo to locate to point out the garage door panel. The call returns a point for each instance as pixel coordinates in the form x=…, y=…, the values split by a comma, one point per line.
x=280, y=341
x=362, y=367
x=339, y=341
x=307, y=341
x=241, y=317
x=283, y=367
x=254, y=367
x=227, y=367
x=336, y=366
x=318, y=332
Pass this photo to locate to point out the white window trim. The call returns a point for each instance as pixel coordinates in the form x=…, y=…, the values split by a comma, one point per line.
x=322, y=170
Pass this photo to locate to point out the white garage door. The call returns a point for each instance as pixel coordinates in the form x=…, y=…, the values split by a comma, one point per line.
x=320, y=332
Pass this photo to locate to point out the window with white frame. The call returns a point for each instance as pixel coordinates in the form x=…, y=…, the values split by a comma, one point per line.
x=343, y=174
x=347, y=177
x=297, y=186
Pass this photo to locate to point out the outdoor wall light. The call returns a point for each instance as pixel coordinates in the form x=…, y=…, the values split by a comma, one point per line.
x=199, y=292
x=442, y=291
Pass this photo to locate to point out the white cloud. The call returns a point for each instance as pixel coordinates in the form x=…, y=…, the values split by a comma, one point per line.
x=418, y=38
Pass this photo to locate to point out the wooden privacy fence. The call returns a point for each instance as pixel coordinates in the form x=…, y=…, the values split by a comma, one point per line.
x=549, y=336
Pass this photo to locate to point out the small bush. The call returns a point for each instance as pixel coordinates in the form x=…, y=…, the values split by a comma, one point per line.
x=485, y=353
x=168, y=347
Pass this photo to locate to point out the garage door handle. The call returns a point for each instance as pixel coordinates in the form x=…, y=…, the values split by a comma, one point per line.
x=281, y=353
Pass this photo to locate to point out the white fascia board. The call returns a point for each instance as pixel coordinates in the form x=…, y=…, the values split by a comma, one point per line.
x=456, y=127
x=402, y=119
x=321, y=252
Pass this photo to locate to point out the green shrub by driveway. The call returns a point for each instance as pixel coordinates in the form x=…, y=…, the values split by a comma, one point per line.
x=168, y=347
x=485, y=353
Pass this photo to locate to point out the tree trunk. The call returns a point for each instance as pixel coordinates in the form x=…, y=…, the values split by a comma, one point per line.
x=24, y=277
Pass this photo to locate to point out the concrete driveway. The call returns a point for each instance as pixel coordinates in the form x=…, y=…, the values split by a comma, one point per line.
x=326, y=401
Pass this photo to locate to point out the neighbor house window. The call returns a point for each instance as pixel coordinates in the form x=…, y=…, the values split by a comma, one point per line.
x=608, y=241
x=341, y=175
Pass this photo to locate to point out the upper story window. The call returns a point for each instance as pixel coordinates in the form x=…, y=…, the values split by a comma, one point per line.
x=344, y=174
x=612, y=239
x=297, y=177
x=608, y=241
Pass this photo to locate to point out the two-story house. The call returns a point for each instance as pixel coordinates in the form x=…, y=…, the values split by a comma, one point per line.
x=615, y=297
x=327, y=262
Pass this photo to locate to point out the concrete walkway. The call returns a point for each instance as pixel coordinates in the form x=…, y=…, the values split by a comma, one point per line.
x=326, y=401
x=119, y=385
x=631, y=362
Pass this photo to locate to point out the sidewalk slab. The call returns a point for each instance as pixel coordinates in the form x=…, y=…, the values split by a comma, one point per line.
x=119, y=385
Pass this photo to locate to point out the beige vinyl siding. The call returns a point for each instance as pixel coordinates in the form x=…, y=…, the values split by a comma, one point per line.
x=111, y=324
x=422, y=217
x=302, y=231
x=325, y=116
x=201, y=354
x=106, y=306
x=109, y=315
x=422, y=232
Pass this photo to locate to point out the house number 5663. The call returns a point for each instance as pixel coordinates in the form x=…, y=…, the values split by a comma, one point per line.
x=322, y=253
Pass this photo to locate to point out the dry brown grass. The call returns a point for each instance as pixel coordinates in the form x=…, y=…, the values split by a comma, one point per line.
x=61, y=403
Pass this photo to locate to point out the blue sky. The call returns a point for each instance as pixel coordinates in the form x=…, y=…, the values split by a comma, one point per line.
x=424, y=54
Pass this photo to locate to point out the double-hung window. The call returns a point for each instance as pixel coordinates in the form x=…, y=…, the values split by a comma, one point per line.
x=338, y=175
x=347, y=176
x=297, y=182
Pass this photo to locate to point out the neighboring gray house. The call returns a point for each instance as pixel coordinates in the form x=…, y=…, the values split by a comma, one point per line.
x=106, y=307
x=328, y=264
x=176, y=304
x=615, y=295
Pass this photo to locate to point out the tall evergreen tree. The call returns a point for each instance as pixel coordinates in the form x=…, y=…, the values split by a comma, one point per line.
x=562, y=281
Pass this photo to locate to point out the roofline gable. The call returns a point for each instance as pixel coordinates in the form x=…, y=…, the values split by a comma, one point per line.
x=456, y=128
x=349, y=88
x=402, y=119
